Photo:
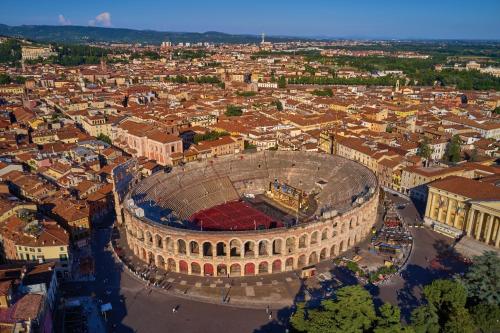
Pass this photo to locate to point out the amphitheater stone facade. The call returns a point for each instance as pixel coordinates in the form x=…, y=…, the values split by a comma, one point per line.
x=346, y=213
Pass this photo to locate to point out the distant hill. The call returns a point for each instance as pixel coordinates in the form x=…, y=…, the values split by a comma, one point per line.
x=82, y=34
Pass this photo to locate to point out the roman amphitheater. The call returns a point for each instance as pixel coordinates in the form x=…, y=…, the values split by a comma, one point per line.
x=251, y=214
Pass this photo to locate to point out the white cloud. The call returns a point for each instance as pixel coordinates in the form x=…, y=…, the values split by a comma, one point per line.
x=62, y=20
x=103, y=19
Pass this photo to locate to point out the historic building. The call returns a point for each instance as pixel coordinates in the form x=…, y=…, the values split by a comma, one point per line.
x=458, y=205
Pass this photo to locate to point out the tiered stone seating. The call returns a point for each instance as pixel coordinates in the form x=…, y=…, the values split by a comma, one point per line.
x=198, y=186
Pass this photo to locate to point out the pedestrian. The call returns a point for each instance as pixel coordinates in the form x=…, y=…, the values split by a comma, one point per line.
x=270, y=315
x=174, y=310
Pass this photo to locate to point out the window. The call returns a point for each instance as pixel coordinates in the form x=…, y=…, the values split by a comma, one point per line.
x=63, y=257
x=61, y=248
x=39, y=250
x=172, y=148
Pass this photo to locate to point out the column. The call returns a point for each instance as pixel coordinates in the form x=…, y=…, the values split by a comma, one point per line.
x=497, y=242
x=433, y=206
x=479, y=225
x=428, y=208
x=440, y=209
x=448, y=213
x=458, y=212
x=489, y=227
x=470, y=221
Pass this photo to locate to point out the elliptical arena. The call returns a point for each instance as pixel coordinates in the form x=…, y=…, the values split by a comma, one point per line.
x=251, y=214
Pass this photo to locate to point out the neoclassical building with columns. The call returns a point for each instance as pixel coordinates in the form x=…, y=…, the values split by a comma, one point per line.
x=346, y=198
x=461, y=206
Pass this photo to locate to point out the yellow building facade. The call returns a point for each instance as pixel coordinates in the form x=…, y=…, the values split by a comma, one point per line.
x=459, y=206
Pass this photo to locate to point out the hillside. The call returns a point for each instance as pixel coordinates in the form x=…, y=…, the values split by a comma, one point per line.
x=82, y=34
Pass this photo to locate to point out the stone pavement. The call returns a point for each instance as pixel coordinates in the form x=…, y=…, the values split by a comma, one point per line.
x=470, y=247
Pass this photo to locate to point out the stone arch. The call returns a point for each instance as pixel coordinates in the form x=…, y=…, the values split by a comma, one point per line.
x=342, y=230
x=290, y=245
x=235, y=248
x=235, y=270
x=263, y=267
x=194, y=248
x=301, y=262
x=313, y=258
x=140, y=235
x=277, y=246
x=276, y=266
x=349, y=242
x=158, y=241
x=289, y=264
x=351, y=223
x=303, y=241
x=208, y=270
x=221, y=249
x=195, y=268
x=333, y=252
x=160, y=262
x=250, y=269
x=169, y=244
x=249, y=249
x=149, y=238
x=171, y=265
x=342, y=246
x=181, y=246
x=183, y=267
x=263, y=248
x=143, y=254
x=324, y=234
x=207, y=249
x=355, y=238
x=221, y=270
x=314, y=238
x=323, y=254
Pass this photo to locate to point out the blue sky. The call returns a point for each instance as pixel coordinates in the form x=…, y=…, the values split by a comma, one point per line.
x=465, y=19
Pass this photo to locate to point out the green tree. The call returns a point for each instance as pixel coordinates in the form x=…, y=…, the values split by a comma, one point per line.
x=233, y=111
x=452, y=153
x=424, y=319
x=486, y=317
x=389, y=320
x=104, y=138
x=282, y=82
x=323, y=92
x=482, y=281
x=298, y=320
x=424, y=149
x=278, y=104
x=352, y=311
x=5, y=78
x=459, y=321
x=446, y=301
x=210, y=136
x=445, y=295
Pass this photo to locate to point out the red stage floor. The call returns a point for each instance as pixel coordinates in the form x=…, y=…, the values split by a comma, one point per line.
x=237, y=215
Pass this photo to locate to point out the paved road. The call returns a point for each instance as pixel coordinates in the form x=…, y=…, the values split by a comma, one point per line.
x=137, y=309
x=431, y=258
